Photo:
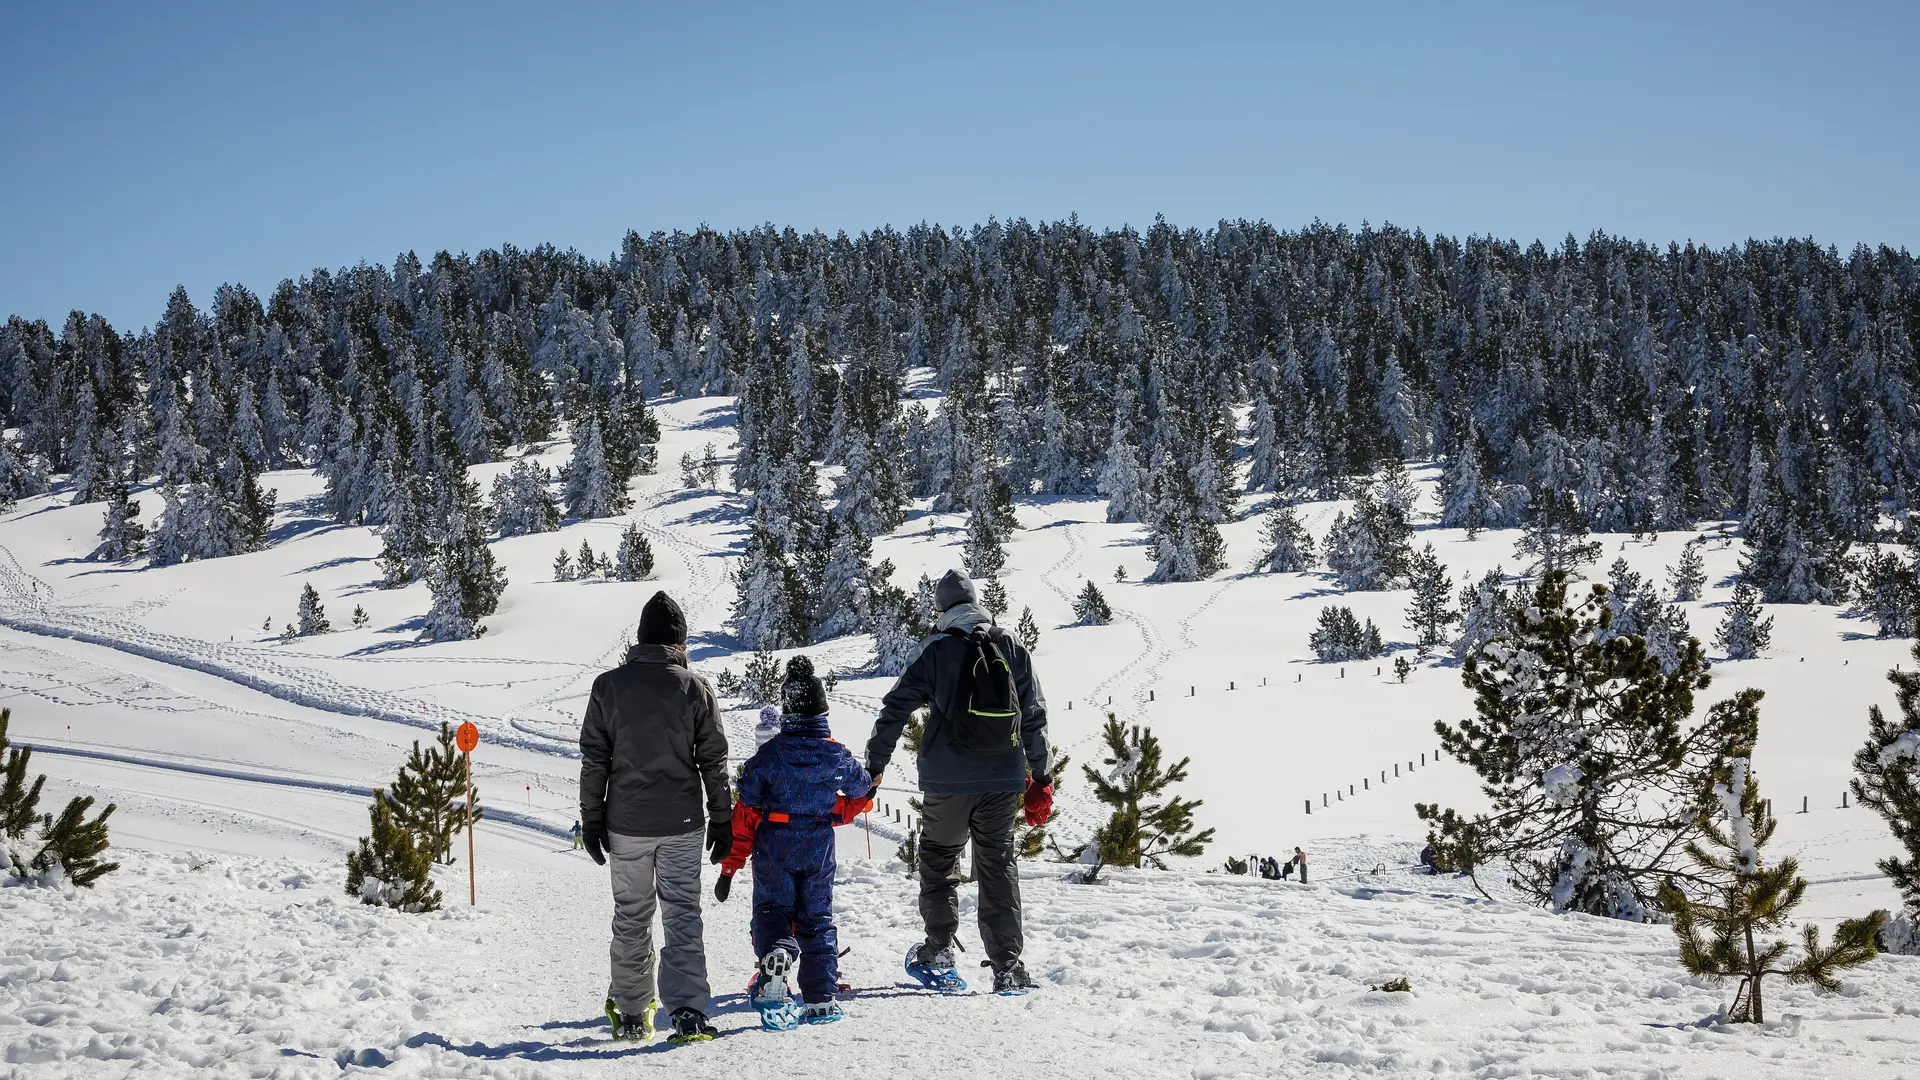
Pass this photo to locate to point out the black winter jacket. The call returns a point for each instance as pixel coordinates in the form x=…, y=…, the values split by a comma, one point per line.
x=932, y=680
x=650, y=742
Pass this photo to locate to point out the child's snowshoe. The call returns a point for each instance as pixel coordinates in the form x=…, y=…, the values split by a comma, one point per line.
x=934, y=969
x=770, y=995
x=823, y=1012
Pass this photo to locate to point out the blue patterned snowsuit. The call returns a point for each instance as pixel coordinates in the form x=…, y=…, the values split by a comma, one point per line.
x=797, y=776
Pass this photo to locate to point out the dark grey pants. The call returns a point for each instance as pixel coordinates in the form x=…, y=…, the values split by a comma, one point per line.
x=947, y=822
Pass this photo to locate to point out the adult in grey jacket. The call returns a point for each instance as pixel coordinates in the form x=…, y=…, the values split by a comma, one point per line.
x=968, y=795
x=650, y=748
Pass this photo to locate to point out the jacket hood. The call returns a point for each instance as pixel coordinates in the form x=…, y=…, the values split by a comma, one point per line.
x=963, y=617
x=657, y=654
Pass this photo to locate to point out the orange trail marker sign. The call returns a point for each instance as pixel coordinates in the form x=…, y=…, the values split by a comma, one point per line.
x=466, y=738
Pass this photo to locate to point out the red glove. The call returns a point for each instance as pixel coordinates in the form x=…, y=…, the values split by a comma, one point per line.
x=1038, y=802
x=848, y=807
x=745, y=820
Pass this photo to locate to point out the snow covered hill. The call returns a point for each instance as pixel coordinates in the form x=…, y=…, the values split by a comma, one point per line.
x=240, y=764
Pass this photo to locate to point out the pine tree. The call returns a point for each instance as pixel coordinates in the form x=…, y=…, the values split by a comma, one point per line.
x=1430, y=613
x=984, y=556
x=1746, y=899
x=1588, y=754
x=523, y=501
x=360, y=617
x=429, y=796
x=594, y=488
x=840, y=601
x=462, y=577
x=313, y=617
x=634, y=560
x=994, y=598
x=1369, y=551
x=1744, y=633
x=1289, y=546
x=1090, y=608
x=1887, y=591
x=121, y=534
x=769, y=607
x=1148, y=824
x=1555, y=536
x=406, y=540
x=1689, y=575
x=1340, y=637
x=586, y=564
x=1887, y=781
x=1028, y=630
x=895, y=625
x=42, y=847
x=1486, y=613
x=563, y=566
x=389, y=869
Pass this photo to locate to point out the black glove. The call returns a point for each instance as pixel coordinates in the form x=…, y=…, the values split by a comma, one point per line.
x=594, y=835
x=719, y=838
x=722, y=887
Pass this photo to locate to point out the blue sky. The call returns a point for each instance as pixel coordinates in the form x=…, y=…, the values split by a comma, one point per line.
x=147, y=146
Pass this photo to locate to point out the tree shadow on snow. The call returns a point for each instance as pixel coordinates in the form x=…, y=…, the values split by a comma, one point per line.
x=299, y=527
x=344, y=560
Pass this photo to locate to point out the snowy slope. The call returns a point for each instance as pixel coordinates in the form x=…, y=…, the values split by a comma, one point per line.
x=160, y=690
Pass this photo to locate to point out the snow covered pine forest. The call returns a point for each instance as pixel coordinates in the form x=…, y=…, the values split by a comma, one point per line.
x=1287, y=499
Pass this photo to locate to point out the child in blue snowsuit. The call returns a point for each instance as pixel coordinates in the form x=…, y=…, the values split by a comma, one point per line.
x=793, y=785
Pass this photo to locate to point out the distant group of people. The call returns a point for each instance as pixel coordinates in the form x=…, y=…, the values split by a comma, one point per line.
x=1270, y=868
x=654, y=797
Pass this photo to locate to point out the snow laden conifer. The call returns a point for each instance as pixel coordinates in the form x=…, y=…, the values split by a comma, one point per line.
x=1430, y=612
x=586, y=564
x=429, y=796
x=563, y=566
x=896, y=626
x=523, y=501
x=1148, y=824
x=121, y=534
x=1340, y=637
x=1887, y=781
x=1288, y=545
x=463, y=578
x=1746, y=631
x=594, y=488
x=1369, y=550
x=1468, y=499
x=839, y=602
x=1486, y=613
x=985, y=556
x=1887, y=591
x=1090, y=608
x=769, y=607
x=1688, y=576
x=1724, y=921
x=634, y=559
x=994, y=598
x=312, y=614
x=1555, y=536
x=1589, y=755
x=44, y=848
x=389, y=869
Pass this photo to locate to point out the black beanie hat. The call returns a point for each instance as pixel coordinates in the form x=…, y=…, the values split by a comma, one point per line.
x=662, y=622
x=802, y=694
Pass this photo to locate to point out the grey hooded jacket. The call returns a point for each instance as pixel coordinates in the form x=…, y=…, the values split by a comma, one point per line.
x=650, y=743
x=931, y=680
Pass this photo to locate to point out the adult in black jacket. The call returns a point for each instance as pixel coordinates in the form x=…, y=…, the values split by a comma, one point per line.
x=967, y=794
x=650, y=748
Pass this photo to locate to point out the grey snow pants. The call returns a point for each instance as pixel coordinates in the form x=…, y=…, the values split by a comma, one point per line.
x=947, y=822
x=662, y=871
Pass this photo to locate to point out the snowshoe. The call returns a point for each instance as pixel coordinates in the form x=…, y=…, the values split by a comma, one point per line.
x=823, y=1012
x=690, y=1025
x=1013, y=982
x=933, y=969
x=770, y=995
x=632, y=1028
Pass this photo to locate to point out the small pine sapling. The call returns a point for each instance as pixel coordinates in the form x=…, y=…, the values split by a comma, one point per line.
x=563, y=566
x=313, y=617
x=1090, y=608
x=289, y=633
x=1688, y=576
x=41, y=847
x=1119, y=574
x=1887, y=781
x=634, y=560
x=587, y=563
x=1430, y=613
x=389, y=869
x=689, y=471
x=994, y=597
x=1028, y=630
x=266, y=624
x=360, y=617
x=1148, y=824
x=1746, y=631
x=1401, y=668
x=1720, y=932
x=761, y=683
x=709, y=467
x=429, y=796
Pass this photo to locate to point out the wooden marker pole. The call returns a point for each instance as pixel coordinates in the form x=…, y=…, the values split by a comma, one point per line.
x=466, y=739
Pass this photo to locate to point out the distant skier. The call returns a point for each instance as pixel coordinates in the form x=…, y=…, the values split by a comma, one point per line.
x=650, y=744
x=579, y=841
x=983, y=757
x=793, y=791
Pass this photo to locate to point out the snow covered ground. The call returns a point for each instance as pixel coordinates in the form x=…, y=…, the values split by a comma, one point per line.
x=240, y=766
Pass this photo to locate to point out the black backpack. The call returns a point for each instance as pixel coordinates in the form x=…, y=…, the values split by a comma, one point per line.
x=986, y=713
